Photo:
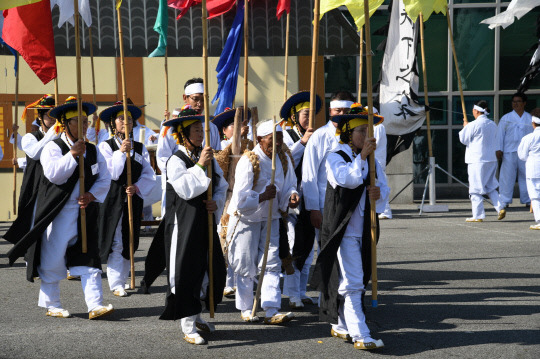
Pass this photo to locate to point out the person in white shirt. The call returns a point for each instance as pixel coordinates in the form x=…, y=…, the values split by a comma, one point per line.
x=114, y=219
x=187, y=227
x=511, y=129
x=56, y=231
x=248, y=211
x=343, y=267
x=529, y=151
x=481, y=161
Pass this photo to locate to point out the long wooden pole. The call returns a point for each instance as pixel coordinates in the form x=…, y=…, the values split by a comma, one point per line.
x=361, y=64
x=424, y=71
x=80, y=122
x=56, y=98
x=15, y=135
x=314, y=54
x=286, y=73
x=207, y=143
x=268, y=224
x=456, y=65
x=166, y=68
x=93, y=76
x=127, y=131
x=369, y=78
x=246, y=63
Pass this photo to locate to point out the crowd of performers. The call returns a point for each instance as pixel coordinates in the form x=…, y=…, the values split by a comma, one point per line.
x=320, y=193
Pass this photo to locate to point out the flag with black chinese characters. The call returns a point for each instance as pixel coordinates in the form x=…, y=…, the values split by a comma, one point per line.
x=398, y=91
x=532, y=71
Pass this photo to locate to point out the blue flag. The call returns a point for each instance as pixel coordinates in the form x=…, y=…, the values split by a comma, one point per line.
x=11, y=49
x=227, y=67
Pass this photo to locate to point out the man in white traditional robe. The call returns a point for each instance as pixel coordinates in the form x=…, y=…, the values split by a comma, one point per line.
x=246, y=234
x=529, y=151
x=511, y=129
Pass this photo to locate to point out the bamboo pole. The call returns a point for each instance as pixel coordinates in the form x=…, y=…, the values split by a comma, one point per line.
x=15, y=135
x=369, y=78
x=56, y=99
x=127, y=131
x=424, y=71
x=80, y=123
x=314, y=53
x=286, y=73
x=93, y=76
x=254, y=122
x=166, y=82
x=361, y=64
x=209, y=168
x=457, y=66
x=268, y=224
x=246, y=62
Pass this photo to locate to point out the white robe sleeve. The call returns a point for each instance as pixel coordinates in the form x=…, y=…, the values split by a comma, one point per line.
x=466, y=134
x=100, y=189
x=57, y=168
x=147, y=180
x=164, y=150
x=32, y=147
x=215, y=140
x=345, y=174
x=248, y=199
x=523, y=149
x=115, y=160
x=220, y=191
x=382, y=183
x=501, y=131
x=380, y=151
x=289, y=185
x=188, y=183
x=90, y=134
x=310, y=170
x=19, y=140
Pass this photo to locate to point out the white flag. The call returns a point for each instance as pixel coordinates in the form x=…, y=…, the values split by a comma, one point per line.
x=399, y=76
x=517, y=8
x=67, y=10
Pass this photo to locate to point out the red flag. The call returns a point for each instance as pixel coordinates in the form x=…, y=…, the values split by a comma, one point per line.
x=283, y=6
x=29, y=30
x=218, y=7
x=182, y=5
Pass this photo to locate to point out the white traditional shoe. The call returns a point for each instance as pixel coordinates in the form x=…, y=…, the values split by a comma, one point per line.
x=120, y=292
x=535, y=226
x=204, y=326
x=368, y=344
x=474, y=220
x=100, y=311
x=247, y=317
x=502, y=214
x=195, y=339
x=58, y=313
x=336, y=334
x=228, y=292
x=127, y=286
x=279, y=318
x=295, y=303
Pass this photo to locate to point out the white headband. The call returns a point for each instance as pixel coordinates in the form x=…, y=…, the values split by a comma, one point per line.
x=480, y=109
x=194, y=88
x=536, y=120
x=340, y=104
x=265, y=128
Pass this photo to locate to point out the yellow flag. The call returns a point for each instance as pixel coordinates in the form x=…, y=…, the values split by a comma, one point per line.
x=118, y=4
x=8, y=4
x=426, y=7
x=355, y=7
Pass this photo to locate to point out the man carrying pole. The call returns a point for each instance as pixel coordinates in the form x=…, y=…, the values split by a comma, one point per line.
x=247, y=229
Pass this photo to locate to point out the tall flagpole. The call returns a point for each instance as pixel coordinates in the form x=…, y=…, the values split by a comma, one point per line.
x=369, y=78
x=286, y=73
x=56, y=100
x=314, y=54
x=80, y=123
x=361, y=64
x=15, y=134
x=166, y=68
x=127, y=131
x=458, y=75
x=93, y=78
x=246, y=68
x=207, y=143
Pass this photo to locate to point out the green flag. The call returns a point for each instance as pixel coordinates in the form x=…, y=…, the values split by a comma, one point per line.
x=161, y=25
